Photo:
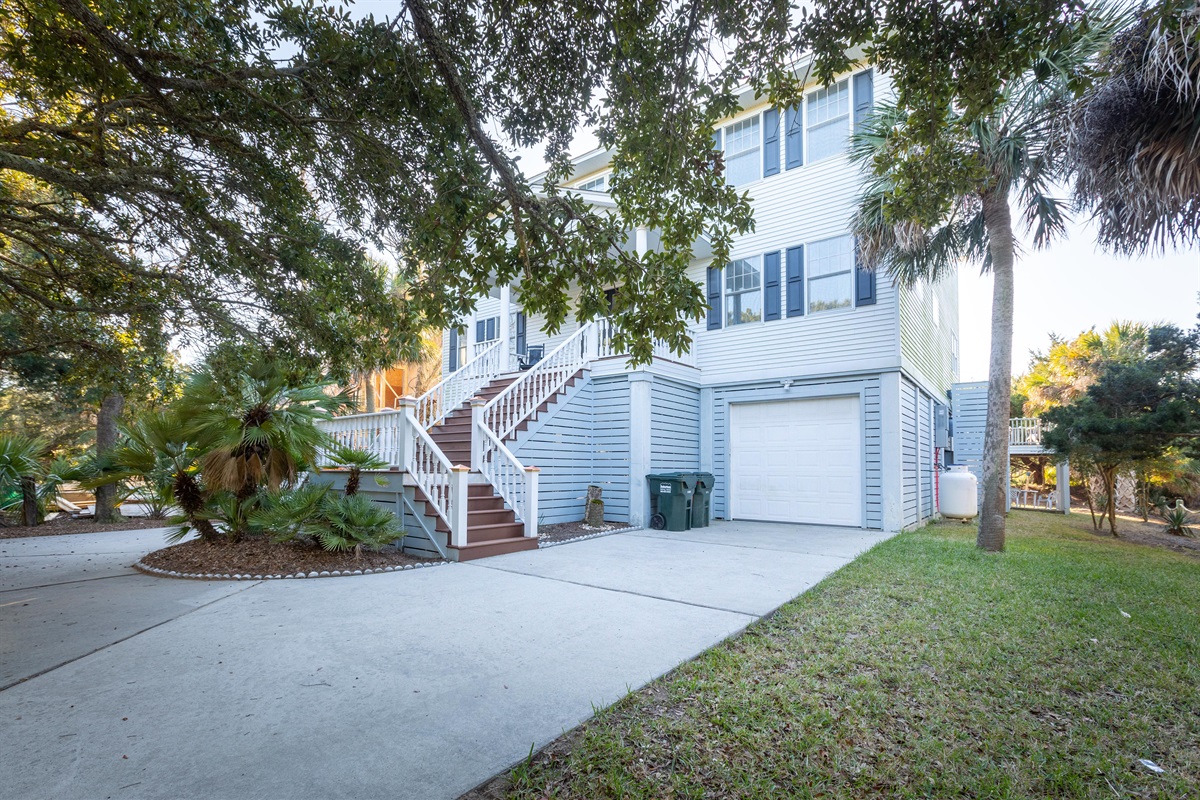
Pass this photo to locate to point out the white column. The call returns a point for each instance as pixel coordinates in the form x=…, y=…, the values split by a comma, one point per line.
x=506, y=346
x=639, y=447
x=641, y=240
x=892, y=444
x=706, y=430
x=458, y=505
x=1062, y=479
x=531, y=501
x=477, y=404
x=407, y=445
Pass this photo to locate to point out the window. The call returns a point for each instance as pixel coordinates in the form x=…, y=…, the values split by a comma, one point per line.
x=830, y=274
x=742, y=146
x=595, y=184
x=828, y=121
x=743, y=292
x=937, y=309
x=954, y=354
x=486, y=330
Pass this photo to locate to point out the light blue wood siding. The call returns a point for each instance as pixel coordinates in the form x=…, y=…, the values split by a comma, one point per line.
x=969, y=409
x=909, y=452
x=561, y=445
x=867, y=386
x=925, y=441
x=581, y=440
x=610, y=444
x=929, y=333
x=674, y=426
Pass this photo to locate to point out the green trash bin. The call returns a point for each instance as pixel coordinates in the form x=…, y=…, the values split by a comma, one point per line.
x=702, y=500
x=671, y=500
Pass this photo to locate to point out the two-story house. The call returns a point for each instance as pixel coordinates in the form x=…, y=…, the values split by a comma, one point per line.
x=809, y=389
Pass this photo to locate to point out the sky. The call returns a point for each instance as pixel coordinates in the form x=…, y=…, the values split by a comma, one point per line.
x=1070, y=287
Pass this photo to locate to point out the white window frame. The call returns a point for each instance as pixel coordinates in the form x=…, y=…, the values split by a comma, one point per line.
x=755, y=119
x=597, y=184
x=809, y=278
x=843, y=118
x=726, y=293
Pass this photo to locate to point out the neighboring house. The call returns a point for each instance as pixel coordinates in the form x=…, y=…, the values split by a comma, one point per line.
x=809, y=391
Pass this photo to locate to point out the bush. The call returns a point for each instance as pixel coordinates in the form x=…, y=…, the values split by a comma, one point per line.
x=337, y=523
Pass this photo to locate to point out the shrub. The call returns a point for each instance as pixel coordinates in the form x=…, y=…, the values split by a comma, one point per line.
x=1178, y=519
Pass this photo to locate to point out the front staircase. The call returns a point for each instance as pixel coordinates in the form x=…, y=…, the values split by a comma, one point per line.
x=461, y=483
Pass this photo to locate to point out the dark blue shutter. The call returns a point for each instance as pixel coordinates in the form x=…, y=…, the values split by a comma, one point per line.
x=770, y=142
x=864, y=282
x=453, y=349
x=521, y=337
x=714, y=298
x=795, y=281
x=771, y=286
x=491, y=328
x=794, y=136
x=480, y=330
x=864, y=96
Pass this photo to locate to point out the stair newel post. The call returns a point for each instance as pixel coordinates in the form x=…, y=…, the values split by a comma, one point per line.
x=406, y=440
x=458, y=505
x=477, y=423
x=531, y=501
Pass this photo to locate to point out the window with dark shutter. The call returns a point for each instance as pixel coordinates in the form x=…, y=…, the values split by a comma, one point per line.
x=771, y=295
x=714, y=298
x=864, y=282
x=770, y=142
x=794, y=136
x=795, y=281
x=864, y=96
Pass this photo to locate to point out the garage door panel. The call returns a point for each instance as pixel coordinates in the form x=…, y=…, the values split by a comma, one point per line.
x=797, y=461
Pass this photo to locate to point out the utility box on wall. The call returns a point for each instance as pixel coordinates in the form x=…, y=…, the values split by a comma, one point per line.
x=943, y=428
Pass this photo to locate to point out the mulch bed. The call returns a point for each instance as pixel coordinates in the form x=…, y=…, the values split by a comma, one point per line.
x=62, y=526
x=562, y=531
x=1152, y=533
x=260, y=556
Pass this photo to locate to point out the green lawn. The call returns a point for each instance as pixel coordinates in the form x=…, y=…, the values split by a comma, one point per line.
x=926, y=669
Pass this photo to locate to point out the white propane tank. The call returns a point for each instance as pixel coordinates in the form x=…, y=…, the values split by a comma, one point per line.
x=958, y=496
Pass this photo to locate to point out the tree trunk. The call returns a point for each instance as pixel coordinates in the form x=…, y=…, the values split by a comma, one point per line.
x=1109, y=476
x=30, y=513
x=369, y=389
x=998, y=219
x=106, y=439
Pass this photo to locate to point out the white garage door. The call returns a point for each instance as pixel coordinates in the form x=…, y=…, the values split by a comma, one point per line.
x=797, y=461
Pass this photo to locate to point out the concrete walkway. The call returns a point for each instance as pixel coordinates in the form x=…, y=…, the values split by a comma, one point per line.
x=418, y=684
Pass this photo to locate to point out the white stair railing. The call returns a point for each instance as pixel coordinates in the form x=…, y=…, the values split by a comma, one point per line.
x=432, y=472
x=459, y=386
x=512, y=480
x=540, y=382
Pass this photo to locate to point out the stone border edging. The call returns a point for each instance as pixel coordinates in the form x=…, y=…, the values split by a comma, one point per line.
x=583, y=536
x=237, y=576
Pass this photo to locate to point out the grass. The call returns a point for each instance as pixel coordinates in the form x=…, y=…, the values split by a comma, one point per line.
x=926, y=669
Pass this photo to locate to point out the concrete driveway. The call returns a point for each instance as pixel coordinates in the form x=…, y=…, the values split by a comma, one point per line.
x=418, y=684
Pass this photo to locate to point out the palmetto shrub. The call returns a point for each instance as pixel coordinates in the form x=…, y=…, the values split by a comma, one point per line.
x=320, y=515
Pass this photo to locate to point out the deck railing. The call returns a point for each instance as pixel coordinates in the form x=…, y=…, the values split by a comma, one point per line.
x=606, y=332
x=1025, y=432
x=379, y=433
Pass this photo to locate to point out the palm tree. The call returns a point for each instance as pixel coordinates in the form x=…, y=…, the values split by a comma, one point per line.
x=1070, y=366
x=155, y=449
x=1133, y=137
x=258, y=428
x=356, y=461
x=924, y=209
x=20, y=469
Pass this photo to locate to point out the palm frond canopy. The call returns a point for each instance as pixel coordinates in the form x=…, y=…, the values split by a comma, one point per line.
x=1134, y=135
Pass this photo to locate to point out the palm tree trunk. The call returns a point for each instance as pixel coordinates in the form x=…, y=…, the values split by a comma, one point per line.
x=106, y=439
x=998, y=219
x=369, y=389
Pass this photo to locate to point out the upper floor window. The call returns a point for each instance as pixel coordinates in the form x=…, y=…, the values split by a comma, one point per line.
x=830, y=274
x=742, y=147
x=487, y=330
x=743, y=291
x=828, y=120
x=595, y=184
